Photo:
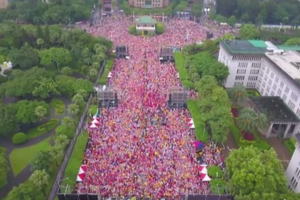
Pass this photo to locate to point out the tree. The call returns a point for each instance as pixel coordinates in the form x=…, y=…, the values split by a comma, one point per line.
x=68, y=122
x=45, y=87
x=40, y=178
x=40, y=112
x=73, y=109
x=26, y=110
x=56, y=152
x=93, y=73
x=261, y=121
x=232, y=20
x=255, y=174
x=62, y=140
x=56, y=55
x=246, y=119
x=23, y=191
x=8, y=123
x=238, y=94
x=40, y=42
x=248, y=31
x=293, y=41
x=66, y=70
x=78, y=100
x=4, y=167
x=41, y=161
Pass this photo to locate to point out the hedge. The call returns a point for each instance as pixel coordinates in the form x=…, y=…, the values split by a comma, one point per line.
x=179, y=64
x=64, y=130
x=58, y=105
x=201, y=133
x=253, y=93
x=160, y=28
x=19, y=138
x=132, y=30
x=43, y=129
x=188, y=84
x=290, y=144
x=108, y=67
x=215, y=172
x=217, y=186
x=241, y=142
x=76, y=158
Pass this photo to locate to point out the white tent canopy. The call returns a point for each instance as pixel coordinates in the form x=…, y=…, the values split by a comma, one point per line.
x=206, y=178
x=204, y=170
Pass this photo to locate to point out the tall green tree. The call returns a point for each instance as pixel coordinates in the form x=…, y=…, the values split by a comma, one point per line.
x=23, y=191
x=8, y=123
x=73, y=109
x=238, y=94
x=62, y=141
x=40, y=178
x=255, y=174
x=41, y=161
x=56, y=152
x=57, y=56
x=68, y=122
x=248, y=31
x=40, y=112
x=246, y=119
x=26, y=110
x=4, y=167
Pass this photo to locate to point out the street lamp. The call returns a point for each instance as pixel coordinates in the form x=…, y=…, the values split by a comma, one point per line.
x=58, y=183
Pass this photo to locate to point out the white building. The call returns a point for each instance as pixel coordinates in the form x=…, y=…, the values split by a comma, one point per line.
x=293, y=170
x=273, y=72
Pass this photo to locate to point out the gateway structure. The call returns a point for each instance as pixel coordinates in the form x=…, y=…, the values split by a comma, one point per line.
x=272, y=70
x=149, y=3
x=145, y=24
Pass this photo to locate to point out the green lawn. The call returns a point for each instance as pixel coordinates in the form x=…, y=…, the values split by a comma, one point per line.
x=21, y=157
x=43, y=129
x=179, y=63
x=76, y=158
x=241, y=142
x=92, y=109
x=108, y=67
x=201, y=133
x=290, y=144
x=58, y=105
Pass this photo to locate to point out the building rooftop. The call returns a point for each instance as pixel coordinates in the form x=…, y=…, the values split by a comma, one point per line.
x=288, y=61
x=297, y=137
x=289, y=48
x=245, y=46
x=146, y=20
x=274, y=108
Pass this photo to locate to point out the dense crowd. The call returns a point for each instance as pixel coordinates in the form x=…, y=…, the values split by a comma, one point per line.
x=141, y=147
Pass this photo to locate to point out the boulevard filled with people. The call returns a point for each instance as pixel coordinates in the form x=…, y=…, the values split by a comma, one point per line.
x=142, y=148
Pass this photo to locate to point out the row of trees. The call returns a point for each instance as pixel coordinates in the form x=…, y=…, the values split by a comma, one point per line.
x=41, y=167
x=261, y=12
x=256, y=174
x=48, y=12
x=215, y=107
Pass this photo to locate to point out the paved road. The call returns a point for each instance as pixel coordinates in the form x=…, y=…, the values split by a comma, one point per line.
x=24, y=175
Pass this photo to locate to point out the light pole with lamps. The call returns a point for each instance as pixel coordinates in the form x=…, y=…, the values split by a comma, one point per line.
x=58, y=183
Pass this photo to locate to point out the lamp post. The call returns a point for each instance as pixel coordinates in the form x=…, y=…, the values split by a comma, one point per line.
x=58, y=183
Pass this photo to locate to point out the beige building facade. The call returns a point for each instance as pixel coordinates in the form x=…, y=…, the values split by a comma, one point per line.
x=149, y=3
x=3, y=4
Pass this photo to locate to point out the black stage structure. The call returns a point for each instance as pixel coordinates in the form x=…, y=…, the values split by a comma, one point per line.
x=166, y=54
x=177, y=98
x=107, y=97
x=209, y=35
x=122, y=52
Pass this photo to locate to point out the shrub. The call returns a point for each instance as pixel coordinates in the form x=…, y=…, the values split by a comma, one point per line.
x=188, y=84
x=58, y=105
x=160, y=28
x=19, y=138
x=42, y=129
x=7, y=72
x=248, y=136
x=64, y=130
x=290, y=144
x=215, y=172
x=108, y=67
x=218, y=186
x=132, y=30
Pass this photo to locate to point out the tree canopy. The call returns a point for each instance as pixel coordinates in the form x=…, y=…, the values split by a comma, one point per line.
x=261, y=12
x=256, y=174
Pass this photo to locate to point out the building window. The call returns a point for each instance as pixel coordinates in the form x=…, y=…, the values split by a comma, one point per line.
x=274, y=87
x=279, y=92
x=264, y=84
x=252, y=78
x=263, y=67
x=268, y=71
x=272, y=93
x=243, y=65
x=266, y=78
x=284, y=97
x=294, y=97
x=251, y=84
x=298, y=112
x=272, y=75
x=240, y=78
x=276, y=79
x=270, y=82
x=268, y=89
x=254, y=71
x=286, y=90
x=256, y=65
x=281, y=84
x=241, y=71
x=291, y=105
x=238, y=83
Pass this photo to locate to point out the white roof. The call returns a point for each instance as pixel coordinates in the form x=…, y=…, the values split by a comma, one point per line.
x=285, y=62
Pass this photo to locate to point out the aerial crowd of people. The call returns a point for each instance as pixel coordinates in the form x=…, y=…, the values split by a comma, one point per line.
x=142, y=148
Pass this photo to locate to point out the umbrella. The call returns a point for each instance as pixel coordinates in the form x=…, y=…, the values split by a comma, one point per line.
x=109, y=75
x=203, y=165
x=192, y=126
x=93, y=126
x=95, y=121
x=200, y=168
x=202, y=176
x=188, y=119
x=83, y=167
x=196, y=143
x=206, y=178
